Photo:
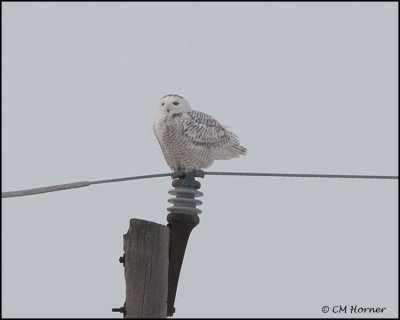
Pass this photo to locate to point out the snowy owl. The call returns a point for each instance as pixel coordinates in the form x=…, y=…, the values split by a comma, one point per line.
x=191, y=140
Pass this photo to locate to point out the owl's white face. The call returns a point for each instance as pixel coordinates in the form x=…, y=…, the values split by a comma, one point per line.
x=173, y=104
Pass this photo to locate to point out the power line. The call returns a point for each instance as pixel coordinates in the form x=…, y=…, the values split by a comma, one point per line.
x=132, y=178
x=300, y=175
x=73, y=185
x=81, y=184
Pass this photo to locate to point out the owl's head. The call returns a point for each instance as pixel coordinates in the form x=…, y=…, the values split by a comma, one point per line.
x=174, y=104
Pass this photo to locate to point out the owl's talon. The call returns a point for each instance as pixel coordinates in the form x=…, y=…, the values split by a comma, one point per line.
x=199, y=173
x=178, y=174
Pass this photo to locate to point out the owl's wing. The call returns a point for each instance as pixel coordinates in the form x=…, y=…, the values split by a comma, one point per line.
x=202, y=129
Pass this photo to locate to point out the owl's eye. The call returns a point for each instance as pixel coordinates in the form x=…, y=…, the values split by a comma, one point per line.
x=163, y=104
x=175, y=103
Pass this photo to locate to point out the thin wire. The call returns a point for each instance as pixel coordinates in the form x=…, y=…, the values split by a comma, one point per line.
x=59, y=187
x=73, y=185
x=82, y=184
x=300, y=175
x=132, y=178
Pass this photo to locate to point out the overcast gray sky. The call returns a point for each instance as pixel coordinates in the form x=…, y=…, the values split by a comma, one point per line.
x=308, y=87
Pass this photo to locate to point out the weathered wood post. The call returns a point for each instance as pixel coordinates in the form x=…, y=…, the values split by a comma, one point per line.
x=146, y=247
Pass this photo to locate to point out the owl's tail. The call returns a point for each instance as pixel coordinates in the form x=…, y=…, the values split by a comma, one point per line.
x=230, y=152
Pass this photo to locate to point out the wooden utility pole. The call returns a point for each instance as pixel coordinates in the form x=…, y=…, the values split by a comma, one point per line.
x=153, y=253
x=146, y=247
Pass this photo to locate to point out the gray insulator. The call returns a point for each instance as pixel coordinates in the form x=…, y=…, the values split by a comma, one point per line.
x=185, y=192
